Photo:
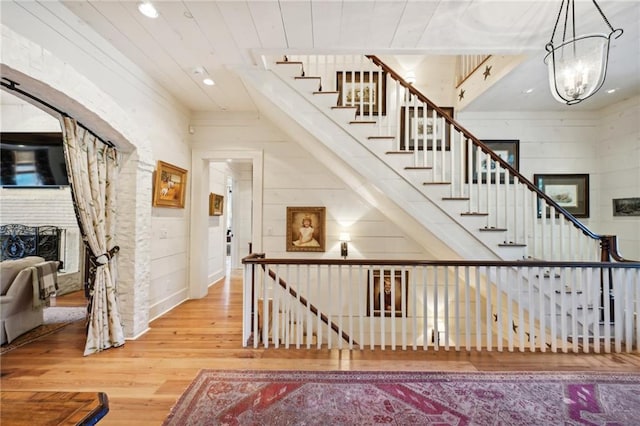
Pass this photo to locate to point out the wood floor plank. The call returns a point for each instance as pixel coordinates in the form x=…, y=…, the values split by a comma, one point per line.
x=144, y=378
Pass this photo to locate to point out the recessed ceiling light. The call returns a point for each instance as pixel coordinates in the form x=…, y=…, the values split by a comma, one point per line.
x=611, y=90
x=148, y=10
x=208, y=81
x=528, y=91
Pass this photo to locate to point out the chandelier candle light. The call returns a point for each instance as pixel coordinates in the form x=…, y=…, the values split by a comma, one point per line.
x=577, y=66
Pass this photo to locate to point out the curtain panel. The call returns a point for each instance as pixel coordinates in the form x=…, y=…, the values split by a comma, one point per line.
x=93, y=172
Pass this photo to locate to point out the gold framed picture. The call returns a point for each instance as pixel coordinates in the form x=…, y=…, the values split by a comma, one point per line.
x=170, y=185
x=305, y=229
x=216, y=204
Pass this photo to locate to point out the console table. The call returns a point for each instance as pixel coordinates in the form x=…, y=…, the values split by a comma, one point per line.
x=52, y=408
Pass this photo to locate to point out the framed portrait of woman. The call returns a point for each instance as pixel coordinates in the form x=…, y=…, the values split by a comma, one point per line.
x=305, y=229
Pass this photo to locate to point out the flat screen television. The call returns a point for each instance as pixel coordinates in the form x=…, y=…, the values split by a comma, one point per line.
x=32, y=160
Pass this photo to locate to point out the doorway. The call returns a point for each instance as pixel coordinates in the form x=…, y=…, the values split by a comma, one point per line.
x=244, y=168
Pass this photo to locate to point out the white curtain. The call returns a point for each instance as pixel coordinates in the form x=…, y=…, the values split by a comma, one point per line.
x=92, y=169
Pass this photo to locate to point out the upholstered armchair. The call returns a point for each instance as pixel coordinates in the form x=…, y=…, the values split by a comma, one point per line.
x=21, y=304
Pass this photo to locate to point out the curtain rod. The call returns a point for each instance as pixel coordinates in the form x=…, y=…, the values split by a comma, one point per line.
x=13, y=85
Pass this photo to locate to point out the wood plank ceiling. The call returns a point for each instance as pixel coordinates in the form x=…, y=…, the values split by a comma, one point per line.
x=221, y=35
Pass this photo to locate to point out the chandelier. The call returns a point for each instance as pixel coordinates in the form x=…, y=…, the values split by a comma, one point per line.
x=578, y=65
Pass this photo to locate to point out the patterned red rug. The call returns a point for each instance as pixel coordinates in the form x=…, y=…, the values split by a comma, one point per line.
x=407, y=398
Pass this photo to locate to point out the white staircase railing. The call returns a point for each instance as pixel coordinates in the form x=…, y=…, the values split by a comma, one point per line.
x=445, y=177
x=435, y=305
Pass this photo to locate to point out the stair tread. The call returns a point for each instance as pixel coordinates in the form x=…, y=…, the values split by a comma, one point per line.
x=381, y=137
x=492, y=229
x=328, y=93
x=511, y=244
x=436, y=183
x=418, y=168
x=398, y=152
x=474, y=214
x=304, y=77
x=362, y=122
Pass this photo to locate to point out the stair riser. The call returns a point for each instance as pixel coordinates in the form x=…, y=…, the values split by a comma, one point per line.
x=288, y=70
x=325, y=99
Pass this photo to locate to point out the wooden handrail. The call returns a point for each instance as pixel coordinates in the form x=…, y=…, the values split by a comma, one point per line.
x=469, y=136
x=255, y=259
x=610, y=246
x=262, y=260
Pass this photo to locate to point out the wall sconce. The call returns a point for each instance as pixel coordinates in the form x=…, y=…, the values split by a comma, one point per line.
x=410, y=77
x=578, y=66
x=344, y=244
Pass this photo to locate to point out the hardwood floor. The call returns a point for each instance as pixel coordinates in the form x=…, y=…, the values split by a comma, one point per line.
x=145, y=377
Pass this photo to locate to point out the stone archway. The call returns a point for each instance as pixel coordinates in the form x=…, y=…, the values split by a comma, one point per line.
x=97, y=111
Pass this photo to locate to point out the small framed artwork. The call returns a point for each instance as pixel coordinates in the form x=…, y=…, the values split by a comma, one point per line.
x=169, y=186
x=418, y=127
x=366, y=89
x=216, y=204
x=626, y=206
x=305, y=229
x=570, y=191
x=508, y=150
x=387, y=295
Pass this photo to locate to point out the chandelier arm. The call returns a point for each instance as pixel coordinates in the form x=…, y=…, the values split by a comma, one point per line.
x=573, y=18
x=604, y=17
x=573, y=22
x=553, y=33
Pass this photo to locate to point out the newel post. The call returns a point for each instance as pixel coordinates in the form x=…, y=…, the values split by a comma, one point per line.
x=606, y=242
x=249, y=297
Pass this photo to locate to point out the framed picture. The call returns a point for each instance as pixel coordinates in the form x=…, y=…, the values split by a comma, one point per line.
x=366, y=87
x=305, y=229
x=216, y=204
x=416, y=127
x=508, y=150
x=626, y=206
x=391, y=299
x=570, y=191
x=169, y=186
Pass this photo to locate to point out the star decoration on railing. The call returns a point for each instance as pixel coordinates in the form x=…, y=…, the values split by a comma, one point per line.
x=461, y=94
x=487, y=71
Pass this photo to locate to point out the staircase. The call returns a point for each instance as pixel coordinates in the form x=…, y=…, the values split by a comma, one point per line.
x=373, y=130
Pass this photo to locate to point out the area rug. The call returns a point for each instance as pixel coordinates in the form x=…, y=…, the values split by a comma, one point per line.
x=55, y=318
x=407, y=398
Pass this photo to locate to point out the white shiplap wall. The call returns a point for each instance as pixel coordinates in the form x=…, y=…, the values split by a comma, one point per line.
x=292, y=177
x=618, y=153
